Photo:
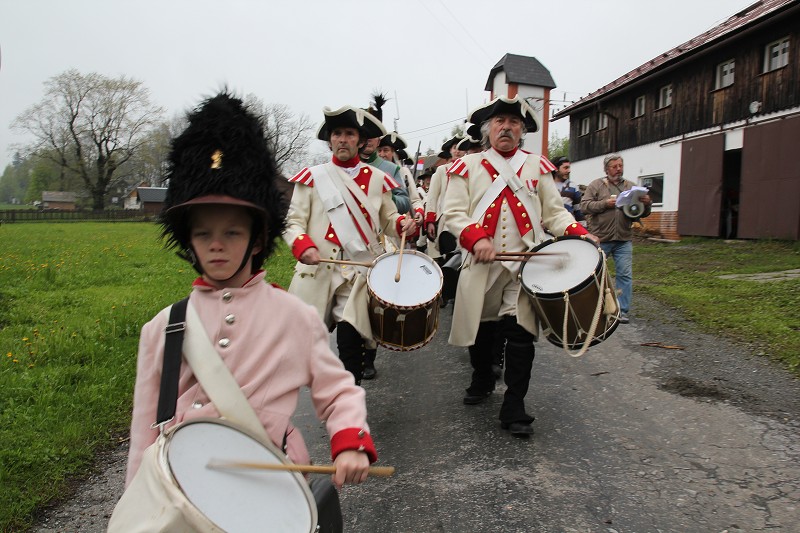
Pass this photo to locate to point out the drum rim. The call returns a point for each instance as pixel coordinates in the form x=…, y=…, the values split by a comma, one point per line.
x=163, y=462
x=574, y=290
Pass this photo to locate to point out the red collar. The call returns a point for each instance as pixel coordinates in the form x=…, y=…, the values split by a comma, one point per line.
x=506, y=155
x=200, y=282
x=350, y=163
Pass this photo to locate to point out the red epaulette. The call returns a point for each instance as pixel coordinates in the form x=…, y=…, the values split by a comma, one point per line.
x=545, y=166
x=458, y=167
x=304, y=177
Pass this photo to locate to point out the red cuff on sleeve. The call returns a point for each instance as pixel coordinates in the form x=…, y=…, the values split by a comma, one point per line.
x=575, y=229
x=353, y=439
x=472, y=234
x=430, y=217
x=398, y=225
x=301, y=244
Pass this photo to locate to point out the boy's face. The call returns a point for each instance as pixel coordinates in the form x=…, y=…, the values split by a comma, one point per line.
x=220, y=235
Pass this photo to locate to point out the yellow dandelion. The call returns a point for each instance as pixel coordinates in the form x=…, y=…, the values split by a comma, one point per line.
x=25, y=338
x=9, y=354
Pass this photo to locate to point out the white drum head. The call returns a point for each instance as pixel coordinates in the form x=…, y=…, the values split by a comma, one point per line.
x=420, y=279
x=577, y=259
x=237, y=500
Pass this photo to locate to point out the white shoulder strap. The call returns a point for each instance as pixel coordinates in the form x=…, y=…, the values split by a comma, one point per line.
x=508, y=171
x=339, y=214
x=216, y=378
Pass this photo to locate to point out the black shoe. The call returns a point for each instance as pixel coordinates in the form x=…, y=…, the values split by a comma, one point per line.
x=475, y=399
x=369, y=373
x=497, y=370
x=518, y=429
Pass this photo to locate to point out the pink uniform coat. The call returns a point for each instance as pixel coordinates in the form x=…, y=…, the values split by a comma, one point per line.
x=274, y=344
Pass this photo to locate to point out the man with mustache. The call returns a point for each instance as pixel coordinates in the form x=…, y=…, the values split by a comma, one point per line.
x=498, y=201
x=338, y=211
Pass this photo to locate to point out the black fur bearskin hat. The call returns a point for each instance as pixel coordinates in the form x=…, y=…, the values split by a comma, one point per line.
x=222, y=158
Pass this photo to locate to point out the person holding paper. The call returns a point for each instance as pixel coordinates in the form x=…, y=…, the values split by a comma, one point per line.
x=609, y=223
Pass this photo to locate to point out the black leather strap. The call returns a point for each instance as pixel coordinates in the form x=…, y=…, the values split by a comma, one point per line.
x=173, y=344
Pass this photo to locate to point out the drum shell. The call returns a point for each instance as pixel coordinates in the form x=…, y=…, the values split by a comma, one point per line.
x=582, y=297
x=404, y=327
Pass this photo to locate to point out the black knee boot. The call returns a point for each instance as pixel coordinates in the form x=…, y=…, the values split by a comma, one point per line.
x=351, y=349
x=369, y=363
x=519, y=354
x=480, y=357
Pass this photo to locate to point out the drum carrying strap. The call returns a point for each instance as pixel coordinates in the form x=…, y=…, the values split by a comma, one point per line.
x=208, y=367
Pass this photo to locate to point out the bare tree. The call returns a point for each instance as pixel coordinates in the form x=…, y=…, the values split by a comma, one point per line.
x=90, y=125
x=288, y=136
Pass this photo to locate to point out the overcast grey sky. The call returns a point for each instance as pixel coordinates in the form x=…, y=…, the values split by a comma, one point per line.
x=432, y=57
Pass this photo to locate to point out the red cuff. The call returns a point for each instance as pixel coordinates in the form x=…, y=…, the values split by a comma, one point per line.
x=430, y=217
x=420, y=211
x=398, y=225
x=575, y=229
x=353, y=439
x=301, y=244
x=472, y=234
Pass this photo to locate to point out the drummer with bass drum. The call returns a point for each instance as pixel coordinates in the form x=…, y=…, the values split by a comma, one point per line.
x=497, y=201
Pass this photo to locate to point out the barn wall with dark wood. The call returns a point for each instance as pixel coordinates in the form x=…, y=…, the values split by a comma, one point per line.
x=696, y=104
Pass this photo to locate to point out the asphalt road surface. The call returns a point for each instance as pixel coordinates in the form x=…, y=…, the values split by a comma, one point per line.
x=628, y=438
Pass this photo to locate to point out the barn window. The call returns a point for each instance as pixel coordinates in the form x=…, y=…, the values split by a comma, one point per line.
x=602, y=121
x=725, y=73
x=665, y=96
x=655, y=184
x=776, y=55
x=585, y=125
x=638, y=107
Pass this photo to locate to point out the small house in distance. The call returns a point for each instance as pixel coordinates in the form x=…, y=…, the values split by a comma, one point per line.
x=61, y=200
x=151, y=199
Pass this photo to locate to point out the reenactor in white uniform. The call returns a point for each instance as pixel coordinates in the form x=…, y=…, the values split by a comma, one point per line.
x=482, y=209
x=338, y=211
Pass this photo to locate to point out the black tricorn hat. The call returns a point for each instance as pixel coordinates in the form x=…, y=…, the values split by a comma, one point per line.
x=350, y=117
x=504, y=105
x=472, y=140
x=448, y=145
x=393, y=140
x=222, y=158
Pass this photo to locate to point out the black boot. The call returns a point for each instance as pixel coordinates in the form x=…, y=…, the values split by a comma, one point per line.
x=519, y=354
x=369, y=363
x=351, y=349
x=498, y=353
x=480, y=357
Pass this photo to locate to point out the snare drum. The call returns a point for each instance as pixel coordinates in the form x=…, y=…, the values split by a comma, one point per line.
x=237, y=500
x=404, y=314
x=571, y=282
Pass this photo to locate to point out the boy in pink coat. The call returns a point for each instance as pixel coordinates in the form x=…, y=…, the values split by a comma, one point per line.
x=223, y=213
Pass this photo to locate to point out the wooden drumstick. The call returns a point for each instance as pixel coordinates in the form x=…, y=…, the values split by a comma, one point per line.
x=528, y=254
x=345, y=262
x=380, y=471
x=400, y=259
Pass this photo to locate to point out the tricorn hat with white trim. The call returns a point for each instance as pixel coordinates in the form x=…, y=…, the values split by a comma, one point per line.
x=503, y=105
x=393, y=140
x=350, y=117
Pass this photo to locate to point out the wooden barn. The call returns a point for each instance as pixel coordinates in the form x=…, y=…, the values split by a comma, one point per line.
x=61, y=200
x=711, y=126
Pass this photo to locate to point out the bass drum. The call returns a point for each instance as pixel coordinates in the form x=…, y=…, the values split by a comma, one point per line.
x=568, y=284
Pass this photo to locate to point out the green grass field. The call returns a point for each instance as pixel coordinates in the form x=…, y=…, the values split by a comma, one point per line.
x=73, y=298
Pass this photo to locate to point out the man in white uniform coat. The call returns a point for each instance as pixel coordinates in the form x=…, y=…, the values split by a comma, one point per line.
x=497, y=201
x=338, y=212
